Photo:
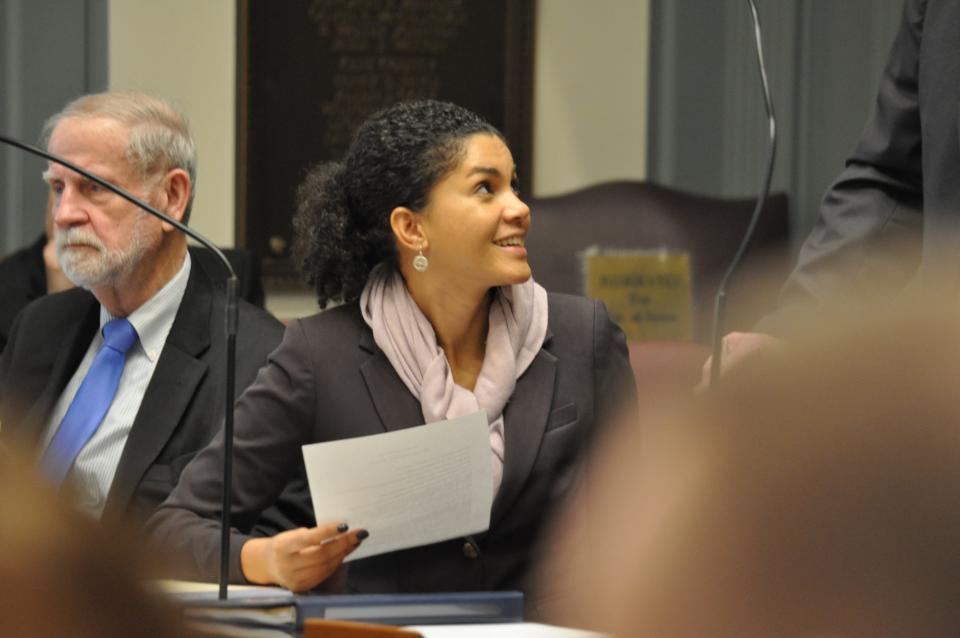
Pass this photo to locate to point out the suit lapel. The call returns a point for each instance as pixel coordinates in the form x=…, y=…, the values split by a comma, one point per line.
x=175, y=380
x=77, y=337
x=524, y=422
x=394, y=403
x=524, y=418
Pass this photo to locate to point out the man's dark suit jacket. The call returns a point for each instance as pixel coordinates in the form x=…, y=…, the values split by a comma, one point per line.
x=895, y=211
x=329, y=381
x=183, y=405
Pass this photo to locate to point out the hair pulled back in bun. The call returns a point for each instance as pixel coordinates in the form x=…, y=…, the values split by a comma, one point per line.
x=342, y=224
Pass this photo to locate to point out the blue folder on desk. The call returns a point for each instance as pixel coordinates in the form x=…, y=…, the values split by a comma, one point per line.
x=290, y=611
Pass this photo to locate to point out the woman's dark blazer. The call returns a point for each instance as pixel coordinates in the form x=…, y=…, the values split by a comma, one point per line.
x=328, y=380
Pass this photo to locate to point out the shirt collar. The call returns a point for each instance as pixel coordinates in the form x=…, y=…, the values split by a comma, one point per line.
x=154, y=319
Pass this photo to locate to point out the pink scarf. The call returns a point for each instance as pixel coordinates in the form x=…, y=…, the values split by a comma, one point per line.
x=518, y=325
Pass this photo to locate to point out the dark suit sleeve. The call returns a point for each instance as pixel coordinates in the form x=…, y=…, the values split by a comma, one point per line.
x=869, y=231
x=273, y=418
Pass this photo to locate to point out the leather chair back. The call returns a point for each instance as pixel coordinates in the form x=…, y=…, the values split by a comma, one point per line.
x=641, y=215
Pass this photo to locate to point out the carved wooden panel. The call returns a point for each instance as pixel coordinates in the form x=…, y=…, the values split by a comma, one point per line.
x=309, y=71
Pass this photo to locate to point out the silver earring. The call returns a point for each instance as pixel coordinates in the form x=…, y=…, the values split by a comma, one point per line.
x=420, y=262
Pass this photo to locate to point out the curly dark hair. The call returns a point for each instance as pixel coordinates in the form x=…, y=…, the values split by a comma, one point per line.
x=342, y=224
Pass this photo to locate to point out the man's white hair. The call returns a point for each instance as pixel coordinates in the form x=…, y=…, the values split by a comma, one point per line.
x=159, y=138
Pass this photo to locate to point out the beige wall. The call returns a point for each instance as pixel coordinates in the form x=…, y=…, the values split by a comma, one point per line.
x=590, y=100
x=184, y=50
x=590, y=93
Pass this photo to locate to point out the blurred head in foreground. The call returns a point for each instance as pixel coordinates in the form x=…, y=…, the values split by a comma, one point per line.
x=815, y=492
x=60, y=574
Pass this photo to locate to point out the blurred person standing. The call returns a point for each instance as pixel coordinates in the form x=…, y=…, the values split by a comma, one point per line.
x=893, y=215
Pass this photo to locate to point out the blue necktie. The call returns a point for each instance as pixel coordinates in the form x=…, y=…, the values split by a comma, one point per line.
x=92, y=400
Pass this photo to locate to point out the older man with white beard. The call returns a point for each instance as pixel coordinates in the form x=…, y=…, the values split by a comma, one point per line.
x=116, y=384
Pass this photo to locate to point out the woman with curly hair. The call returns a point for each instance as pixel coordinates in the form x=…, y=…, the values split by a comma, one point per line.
x=420, y=233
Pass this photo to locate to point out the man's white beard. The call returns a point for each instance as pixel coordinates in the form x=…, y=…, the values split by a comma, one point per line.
x=87, y=268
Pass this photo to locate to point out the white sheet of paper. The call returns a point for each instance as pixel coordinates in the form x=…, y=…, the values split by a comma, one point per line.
x=408, y=488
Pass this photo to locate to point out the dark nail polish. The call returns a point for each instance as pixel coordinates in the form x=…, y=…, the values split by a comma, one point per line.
x=362, y=534
x=342, y=527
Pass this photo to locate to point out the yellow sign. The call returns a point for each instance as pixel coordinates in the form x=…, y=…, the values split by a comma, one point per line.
x=648, y=293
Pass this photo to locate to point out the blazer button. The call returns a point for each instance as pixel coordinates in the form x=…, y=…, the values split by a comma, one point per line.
x=470, y=550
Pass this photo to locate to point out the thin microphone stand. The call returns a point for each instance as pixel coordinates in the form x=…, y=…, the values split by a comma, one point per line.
x=720, y=305
x=231, y=318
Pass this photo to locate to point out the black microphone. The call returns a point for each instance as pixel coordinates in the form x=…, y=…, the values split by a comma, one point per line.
x=230, y=315
x=720, y=305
